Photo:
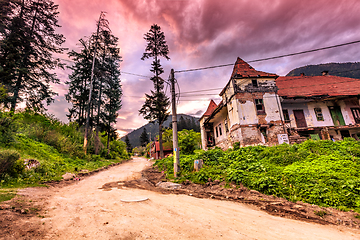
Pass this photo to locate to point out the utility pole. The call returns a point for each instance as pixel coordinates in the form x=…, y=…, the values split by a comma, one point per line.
x=174, y=125
x=91, y=86
x=150, y=145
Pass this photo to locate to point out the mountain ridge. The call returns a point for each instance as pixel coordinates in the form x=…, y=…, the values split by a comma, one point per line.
x=153, y=128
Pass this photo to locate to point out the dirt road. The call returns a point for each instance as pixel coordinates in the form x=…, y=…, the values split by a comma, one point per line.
x=85, y=211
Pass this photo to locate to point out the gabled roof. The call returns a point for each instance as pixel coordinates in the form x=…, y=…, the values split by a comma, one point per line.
x=243, y=70
x=212, y=106
x=312, y=86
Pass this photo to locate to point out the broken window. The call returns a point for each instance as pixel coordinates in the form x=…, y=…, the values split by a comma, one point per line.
x=286, y=116
x=319, y=115
x=259, y=103
x=220, y=132
x=356, y=114
x=226, y=125
x=254, y=83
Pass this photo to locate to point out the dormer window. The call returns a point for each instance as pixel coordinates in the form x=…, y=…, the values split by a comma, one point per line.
x=254, y=83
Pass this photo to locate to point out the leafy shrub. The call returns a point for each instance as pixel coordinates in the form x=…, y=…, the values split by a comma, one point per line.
x=7, y=129
x=10, y=163
x=188, y=141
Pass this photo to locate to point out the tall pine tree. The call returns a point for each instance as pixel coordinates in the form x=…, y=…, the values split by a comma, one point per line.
x=128, y=144
x=106, y=91
x=156, y=105
x=28, y=42
x=144, y=138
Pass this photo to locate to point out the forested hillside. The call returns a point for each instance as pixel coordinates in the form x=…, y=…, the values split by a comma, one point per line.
x=184, y=122
x=350, y=69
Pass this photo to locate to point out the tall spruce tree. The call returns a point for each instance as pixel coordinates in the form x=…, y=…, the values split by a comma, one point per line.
x=28, y=42
x=106, y=91
x=128, y=144
x=79, y=79
x=144, y=138
x=156, y=105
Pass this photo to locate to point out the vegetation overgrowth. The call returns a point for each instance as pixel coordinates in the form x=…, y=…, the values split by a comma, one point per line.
x=323, y=172
x=56, y=146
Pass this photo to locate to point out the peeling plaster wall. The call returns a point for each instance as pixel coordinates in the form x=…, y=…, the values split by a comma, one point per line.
x=351, y=103
x=347, y=115
x=203, y=134
x=219, y=122
x=232, y=108
x=247, y=112
x=298, y=106
x=325, y=112
x=310, y=116
x=272, y=107
x=264, y=85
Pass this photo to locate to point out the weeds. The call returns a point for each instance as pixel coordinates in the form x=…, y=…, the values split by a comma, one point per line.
x=320, y=213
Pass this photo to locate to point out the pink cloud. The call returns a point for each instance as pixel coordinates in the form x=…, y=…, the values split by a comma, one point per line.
x=210, y=32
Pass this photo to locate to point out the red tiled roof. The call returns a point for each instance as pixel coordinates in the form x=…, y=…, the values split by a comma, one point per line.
x=310, y=86
x=210, y=109
x=243, y=70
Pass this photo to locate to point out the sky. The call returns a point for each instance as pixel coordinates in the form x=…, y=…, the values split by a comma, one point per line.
x=203, y=33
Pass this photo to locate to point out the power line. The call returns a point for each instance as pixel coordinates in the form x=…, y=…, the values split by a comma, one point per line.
x=271, y=58
x=134, y=74
x=203, y=90
x=195, y=95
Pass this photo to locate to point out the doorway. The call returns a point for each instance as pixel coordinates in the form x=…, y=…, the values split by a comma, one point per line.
x=336, y=116
x=300, y=118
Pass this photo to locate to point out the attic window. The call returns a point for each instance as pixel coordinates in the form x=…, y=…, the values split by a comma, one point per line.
x=254, y=83
x=260, y=108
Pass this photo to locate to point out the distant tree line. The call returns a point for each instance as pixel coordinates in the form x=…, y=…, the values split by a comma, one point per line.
x=188, y=124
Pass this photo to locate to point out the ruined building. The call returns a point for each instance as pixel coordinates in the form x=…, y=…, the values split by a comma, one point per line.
x=263, y=108
x=249, y=113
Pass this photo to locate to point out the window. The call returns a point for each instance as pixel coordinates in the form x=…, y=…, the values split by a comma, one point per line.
x=226, y=125
x=259, y=103
x=319, y=115
x=356, y=114
x=254, y=83
x=217, y=133
x=220, y=132
x=286, y=116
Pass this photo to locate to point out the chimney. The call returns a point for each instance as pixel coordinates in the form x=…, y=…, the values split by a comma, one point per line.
x=302, y=74
x=325, y=73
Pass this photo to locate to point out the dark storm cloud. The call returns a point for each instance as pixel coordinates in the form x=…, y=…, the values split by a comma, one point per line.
x=210, y=32
x=226, y=29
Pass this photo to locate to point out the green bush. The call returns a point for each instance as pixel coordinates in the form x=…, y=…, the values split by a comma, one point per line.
x=10, y=163
x=7, y=129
